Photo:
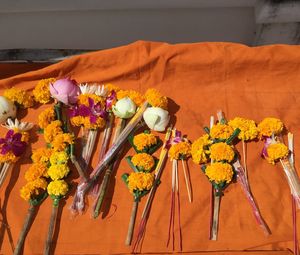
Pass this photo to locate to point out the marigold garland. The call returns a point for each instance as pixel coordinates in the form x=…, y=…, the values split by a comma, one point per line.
x=221, y=151
x=41, y=91
x=221, y=131
x=276, y=151
x=143, y=141
x=269, y=126
x=57, y=188
x=59, y=157
x=33, y=189
x=140, y=181
x=46, y=117
x=9, y=157
x=199, y=149
x=135, y=96
x=248, y=128
x=61, y=141
x=57, y=172
x=21, y=97
x=52, y=130
x=181, y=150
x=84, y=99
x=110, y=87
x=41, y=155
x=219, y=172
x=35, y=171
x=155, y=99
x=143, y=161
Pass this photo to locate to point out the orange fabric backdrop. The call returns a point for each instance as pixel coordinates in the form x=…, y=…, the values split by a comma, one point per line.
x=199, y=79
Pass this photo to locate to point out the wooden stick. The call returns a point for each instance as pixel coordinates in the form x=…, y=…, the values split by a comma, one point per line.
x=108, y=172
x=131, y=223
x=172, y=210
x=78, y=167
x=215, y=223
x=4, y=172
x=28, y=220
x=51, y=229
x=187, y=180
x=245, y=159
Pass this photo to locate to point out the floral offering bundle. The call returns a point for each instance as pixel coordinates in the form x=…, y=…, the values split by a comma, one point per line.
x=65, y=92
x=158, y=173
x=13, y=145
x=154, y=116
x=90, y=114
x=274, y=151
x=141, y=180
x=180, y=149
x=270, y=131
x=249, y=132
x=123, y=107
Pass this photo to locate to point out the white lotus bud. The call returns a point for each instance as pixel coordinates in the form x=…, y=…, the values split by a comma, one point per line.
x=7, y=109
x=125, y=108
x=156, y=118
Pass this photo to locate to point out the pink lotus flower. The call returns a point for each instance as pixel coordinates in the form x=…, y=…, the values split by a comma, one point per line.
x=65, y=91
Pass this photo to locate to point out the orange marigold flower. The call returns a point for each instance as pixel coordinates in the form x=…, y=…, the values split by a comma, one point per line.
x=156, y=99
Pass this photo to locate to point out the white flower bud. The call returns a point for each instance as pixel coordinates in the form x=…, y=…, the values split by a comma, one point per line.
x=125, y=108
x=7, y=109
x=156, y=118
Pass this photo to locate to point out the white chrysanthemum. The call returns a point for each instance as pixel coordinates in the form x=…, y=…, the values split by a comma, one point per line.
x=87, y=89
x=101, y=91
x=17, y=125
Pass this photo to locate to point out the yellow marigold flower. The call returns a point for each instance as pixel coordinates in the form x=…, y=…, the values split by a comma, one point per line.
x=35, y=171
x=248, y=128
x=100, y=123
x=41, y=91
x=21, y=97
x=57, y=188
x=143, y=161
x=61, y=141
x=77, y=121
x=143, y=141
x=200, y=150
x=219, y=172
x=41, y=155
x=46, y=117
x=33, y=188
x=84, y=99
x=140, y=181
x=221, y=151
x=9, y=157
x=57, y=172
x=181, y=150
x=135, y=96
x=110, y=87
x=59, y=157
x=156, y=99
x=268, y=126
x=221, y=131
x=52, y=130
x=276, y=151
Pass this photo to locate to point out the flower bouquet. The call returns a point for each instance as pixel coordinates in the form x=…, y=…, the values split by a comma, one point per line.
x=153, y=98
x=139, y=183
x=180, y=149
x=13, y=145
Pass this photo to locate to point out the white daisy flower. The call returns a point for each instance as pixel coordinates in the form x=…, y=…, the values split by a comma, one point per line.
x=17, y=125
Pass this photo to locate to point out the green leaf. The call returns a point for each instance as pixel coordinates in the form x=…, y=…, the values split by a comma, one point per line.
x=134, y=168
x=206, y=130
x=233, y=136
x=38, y=199
x=124, y=177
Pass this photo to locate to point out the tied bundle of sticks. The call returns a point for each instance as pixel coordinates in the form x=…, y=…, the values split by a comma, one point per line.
x=158, y=173
x=180, y=149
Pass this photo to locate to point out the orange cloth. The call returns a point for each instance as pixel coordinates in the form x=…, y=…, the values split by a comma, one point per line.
x=199, y=79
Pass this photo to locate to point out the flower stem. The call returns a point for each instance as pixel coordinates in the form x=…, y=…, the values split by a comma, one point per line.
x=109, y=170
x=131, y=223
x=28, y=220
x=76, y=164
x=51, y=229
x=215, y=221
x=4, y=172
